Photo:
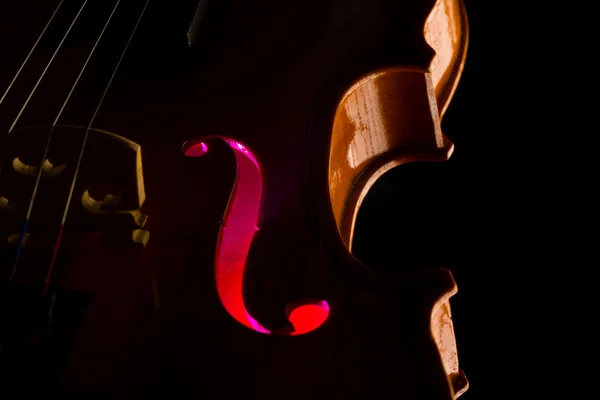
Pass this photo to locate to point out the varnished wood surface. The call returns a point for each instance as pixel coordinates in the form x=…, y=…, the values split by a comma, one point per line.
x=259, y=73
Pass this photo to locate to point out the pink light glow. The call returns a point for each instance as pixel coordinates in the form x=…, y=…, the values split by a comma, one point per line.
x=308, y=317
x=197, y=150
x=235, y=239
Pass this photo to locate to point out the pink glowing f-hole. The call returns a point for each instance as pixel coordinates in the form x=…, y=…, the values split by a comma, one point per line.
x=235, y=238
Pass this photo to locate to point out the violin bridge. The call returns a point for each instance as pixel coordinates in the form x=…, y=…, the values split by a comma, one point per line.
x=104, y=197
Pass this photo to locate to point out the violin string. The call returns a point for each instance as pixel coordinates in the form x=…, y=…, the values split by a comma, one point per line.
x=39, y=80
x=46, y=68
x=30, y=52
x=82, y=151
x=49, y=140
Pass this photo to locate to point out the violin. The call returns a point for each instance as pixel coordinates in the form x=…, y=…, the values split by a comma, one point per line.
x=179, y=187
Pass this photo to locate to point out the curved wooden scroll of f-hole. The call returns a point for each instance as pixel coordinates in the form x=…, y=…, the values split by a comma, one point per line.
x=392, y=115
x=387, y=118
x=235, y=238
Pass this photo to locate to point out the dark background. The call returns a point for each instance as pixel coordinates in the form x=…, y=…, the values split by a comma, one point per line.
x=423, y=214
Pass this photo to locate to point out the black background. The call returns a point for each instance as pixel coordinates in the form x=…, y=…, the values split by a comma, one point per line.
x=423, y=214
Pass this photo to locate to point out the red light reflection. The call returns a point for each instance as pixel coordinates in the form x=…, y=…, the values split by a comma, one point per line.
x=235, y=239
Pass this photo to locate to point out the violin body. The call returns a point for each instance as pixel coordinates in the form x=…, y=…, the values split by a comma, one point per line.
x=207, y=247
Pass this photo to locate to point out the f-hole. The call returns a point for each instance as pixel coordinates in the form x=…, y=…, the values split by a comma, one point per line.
x=235, y=238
